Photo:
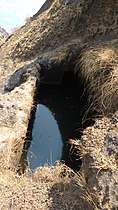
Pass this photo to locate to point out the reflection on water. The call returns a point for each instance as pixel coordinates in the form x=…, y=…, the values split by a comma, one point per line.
x=47, y=143
x=57, y=119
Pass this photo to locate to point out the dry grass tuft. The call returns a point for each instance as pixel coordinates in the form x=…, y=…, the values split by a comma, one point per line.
x=49, y=173
x=87, y=194
x=77, y=146
x=48, y=188
x=99, y=68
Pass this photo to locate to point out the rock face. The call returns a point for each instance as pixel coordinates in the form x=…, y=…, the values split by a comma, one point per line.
x=77, y=35
x=3, y=35
x=99, y=145
x=15, y=108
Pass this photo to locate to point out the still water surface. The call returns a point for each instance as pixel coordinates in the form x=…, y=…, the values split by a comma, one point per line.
x=57, y=119
x=47, y=143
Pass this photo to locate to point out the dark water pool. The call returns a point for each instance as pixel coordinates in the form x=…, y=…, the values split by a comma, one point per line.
x=57, y=119
x=47, y=143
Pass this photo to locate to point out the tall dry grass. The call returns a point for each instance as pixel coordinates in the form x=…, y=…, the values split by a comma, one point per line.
x=99, y=69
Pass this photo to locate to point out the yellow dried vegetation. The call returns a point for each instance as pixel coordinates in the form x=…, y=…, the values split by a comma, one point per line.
x=99, y=68
x=48, y=188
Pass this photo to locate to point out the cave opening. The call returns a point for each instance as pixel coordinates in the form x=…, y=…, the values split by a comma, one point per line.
x=58, y=117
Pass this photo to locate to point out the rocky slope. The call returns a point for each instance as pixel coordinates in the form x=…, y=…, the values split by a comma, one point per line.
x=81, y=34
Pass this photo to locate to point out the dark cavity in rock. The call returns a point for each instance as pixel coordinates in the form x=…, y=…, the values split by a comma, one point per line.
x=57, y=119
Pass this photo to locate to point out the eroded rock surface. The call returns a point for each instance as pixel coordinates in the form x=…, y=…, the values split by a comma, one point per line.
x=99, y=149
x=3, y=35
x=15, y=108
